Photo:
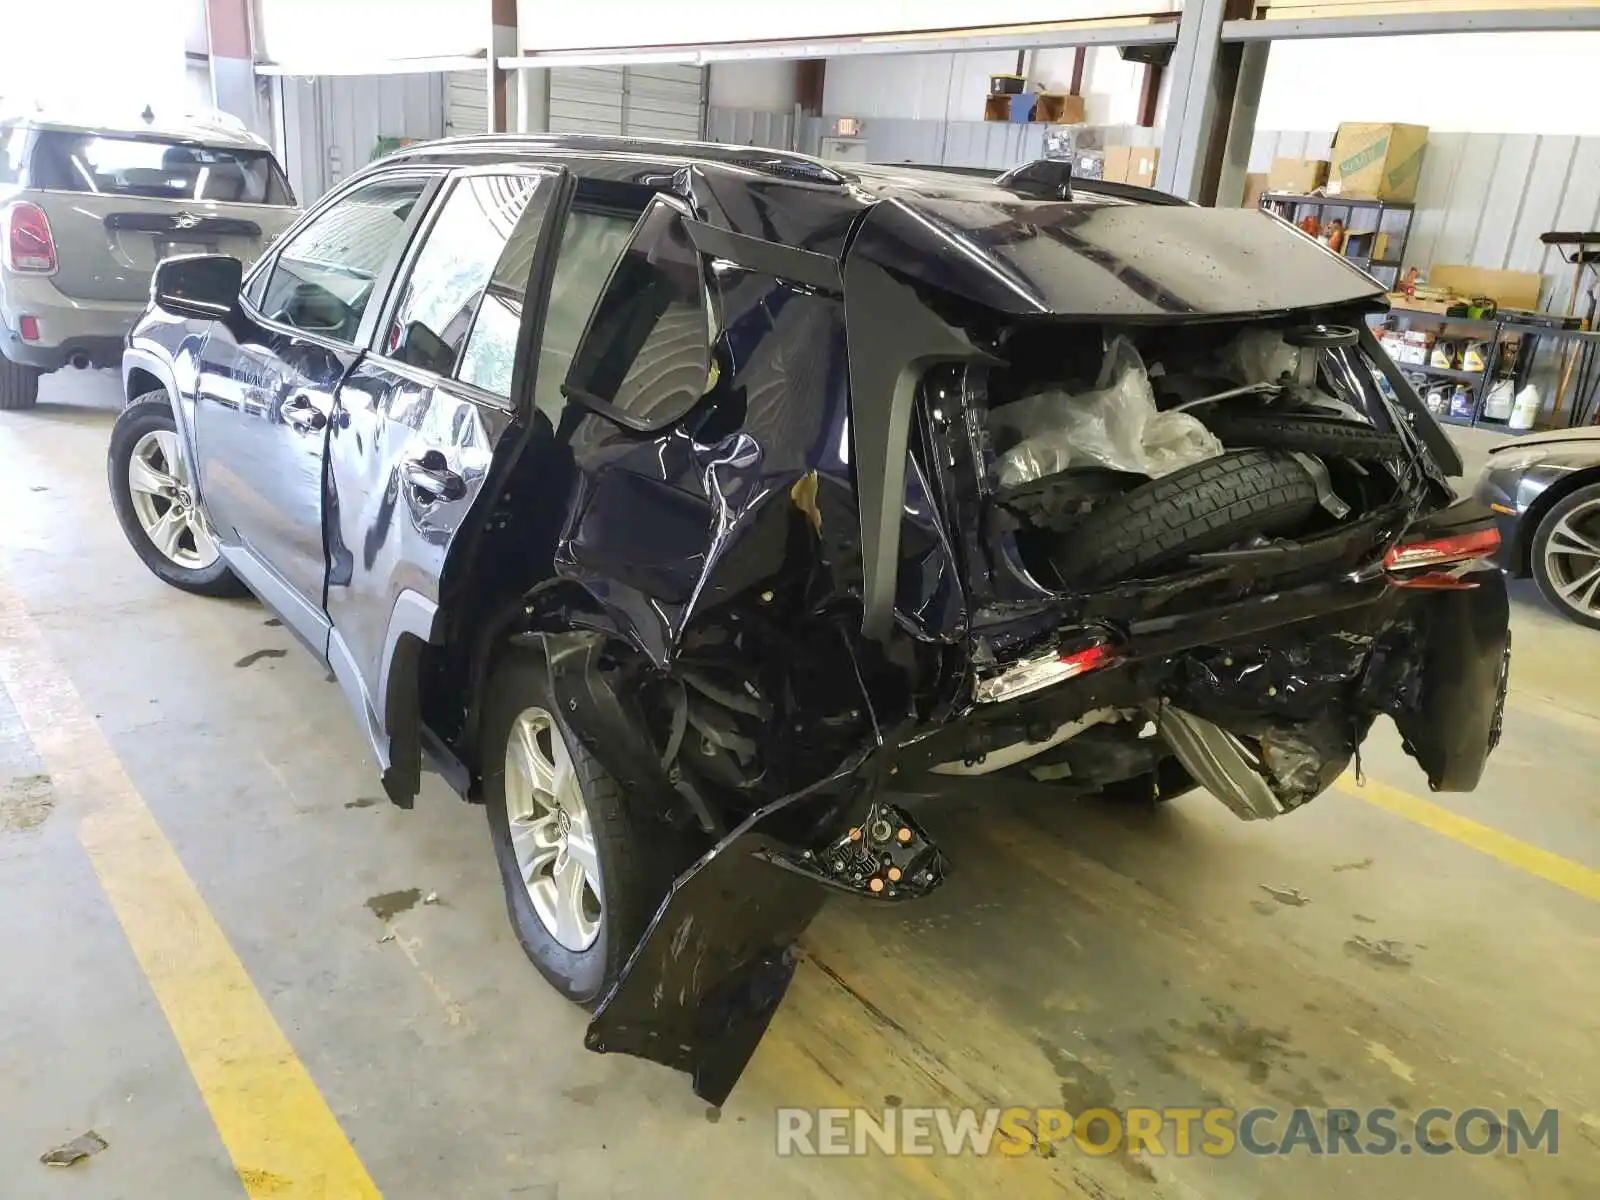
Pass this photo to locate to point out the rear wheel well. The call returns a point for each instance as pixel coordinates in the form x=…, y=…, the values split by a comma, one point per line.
x=1528, y=527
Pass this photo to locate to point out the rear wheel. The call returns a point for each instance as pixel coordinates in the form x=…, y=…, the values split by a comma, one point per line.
x=156, y=503
x=583, y=872
x=19, y=385
x=1209, y=506
x=1566, y=556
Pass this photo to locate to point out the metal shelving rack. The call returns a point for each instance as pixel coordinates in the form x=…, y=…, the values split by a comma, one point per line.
x=1290, y=206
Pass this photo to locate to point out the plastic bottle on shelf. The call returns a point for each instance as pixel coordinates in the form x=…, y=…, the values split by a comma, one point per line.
x=1526, y=409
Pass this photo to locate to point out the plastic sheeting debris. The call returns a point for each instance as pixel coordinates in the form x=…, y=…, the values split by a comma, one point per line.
x=1115, y=426
x=1259, y=355
x=78, y=1149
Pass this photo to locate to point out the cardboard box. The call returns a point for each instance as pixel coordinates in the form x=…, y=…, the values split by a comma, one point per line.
x=1132, y=164
x=1508, y=289
x=1255, y=183
x=1298, y=176
x=1377, y=162
x=1142, y=166
x=1057, y=108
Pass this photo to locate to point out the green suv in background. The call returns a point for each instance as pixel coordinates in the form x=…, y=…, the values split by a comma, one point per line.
x=86, y=212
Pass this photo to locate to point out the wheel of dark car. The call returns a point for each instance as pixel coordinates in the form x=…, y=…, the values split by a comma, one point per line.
x=1209, y=506
x=1566, y=555
x=19, y=385
x=156, y=502
x=582, y=875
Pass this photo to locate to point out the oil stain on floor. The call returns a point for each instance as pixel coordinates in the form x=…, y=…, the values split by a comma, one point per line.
x=26, y=802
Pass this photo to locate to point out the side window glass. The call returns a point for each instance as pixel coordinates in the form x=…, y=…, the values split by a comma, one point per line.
x=452, y=270
x=646, y=354
x=591, y=243
x=323, y=278
x=491, y=349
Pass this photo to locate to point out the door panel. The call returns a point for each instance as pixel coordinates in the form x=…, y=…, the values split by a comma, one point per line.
x=417, y=424
x=266, y=390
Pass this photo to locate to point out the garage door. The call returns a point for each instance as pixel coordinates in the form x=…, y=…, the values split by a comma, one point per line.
x=657, y=102
x=467, y=105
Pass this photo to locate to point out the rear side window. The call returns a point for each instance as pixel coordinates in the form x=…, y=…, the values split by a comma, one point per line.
x=591, y=243
x=645, y=358
x=156, y=169
x=483, y=237
x=322, y=279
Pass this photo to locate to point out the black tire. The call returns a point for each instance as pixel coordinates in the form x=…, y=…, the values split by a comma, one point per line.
x=19, y=385
x=149, y=413
x=637, y=857
x=1209, y=506
x=1328, y=436
x=1583, y=498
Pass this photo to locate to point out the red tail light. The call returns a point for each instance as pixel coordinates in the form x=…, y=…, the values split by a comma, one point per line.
x=1032, y=674
x=1455, y=551
x=30, y=250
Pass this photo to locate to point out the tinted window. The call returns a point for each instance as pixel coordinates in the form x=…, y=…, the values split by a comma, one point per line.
x=458, y=257
x=591, y=243
x=322, y=280
x=161, y=170
x=647, y=350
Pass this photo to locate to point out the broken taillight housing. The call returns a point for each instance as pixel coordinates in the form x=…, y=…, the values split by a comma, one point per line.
x=1432, y=563
x=1033, y=674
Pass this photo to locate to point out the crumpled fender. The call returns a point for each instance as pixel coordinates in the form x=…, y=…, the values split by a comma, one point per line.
x=1463, y=673
x=700, y=988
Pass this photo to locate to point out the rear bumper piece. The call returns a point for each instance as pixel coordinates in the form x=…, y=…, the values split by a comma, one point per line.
x=700, y=988
x=1462, y=677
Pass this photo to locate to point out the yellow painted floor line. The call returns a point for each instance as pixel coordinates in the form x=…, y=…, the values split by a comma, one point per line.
x=284, y=1140
x=1562, y=872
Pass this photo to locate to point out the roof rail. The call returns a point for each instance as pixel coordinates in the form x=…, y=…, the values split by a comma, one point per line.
x=753, y=158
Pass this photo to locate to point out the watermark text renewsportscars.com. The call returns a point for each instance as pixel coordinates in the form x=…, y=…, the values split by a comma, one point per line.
x=1164, y=1132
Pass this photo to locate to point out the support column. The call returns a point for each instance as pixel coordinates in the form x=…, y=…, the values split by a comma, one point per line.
x=533, y=100
x=502, y=44
x=1204, y=80
x=233, y=68
x=1242, y=123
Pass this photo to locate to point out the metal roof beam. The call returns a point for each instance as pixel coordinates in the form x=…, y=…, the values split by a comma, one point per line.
x=1031, y=37
x=1495, y=20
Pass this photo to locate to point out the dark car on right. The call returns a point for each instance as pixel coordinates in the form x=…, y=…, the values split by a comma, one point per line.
x=1545, y=489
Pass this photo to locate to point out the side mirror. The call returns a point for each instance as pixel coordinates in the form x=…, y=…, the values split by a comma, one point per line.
x=205, y=286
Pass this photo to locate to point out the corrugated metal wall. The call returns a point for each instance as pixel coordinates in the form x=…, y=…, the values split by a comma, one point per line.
x=331, y=124
x=664, y=101
x=1484, y=198
x=751, y=127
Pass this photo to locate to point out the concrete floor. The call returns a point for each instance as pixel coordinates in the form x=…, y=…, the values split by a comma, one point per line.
x=1079, y=954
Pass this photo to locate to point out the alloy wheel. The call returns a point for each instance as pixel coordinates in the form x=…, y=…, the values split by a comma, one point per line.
x=164, y=502
x=550, y=830
x=1572, y=558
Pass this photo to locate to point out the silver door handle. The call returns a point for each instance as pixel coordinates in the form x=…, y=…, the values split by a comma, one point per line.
x=431, y=475
x=305, y=416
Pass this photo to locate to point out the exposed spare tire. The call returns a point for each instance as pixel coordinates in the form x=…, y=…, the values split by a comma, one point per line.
x=1209, y=506
x=1327, y=436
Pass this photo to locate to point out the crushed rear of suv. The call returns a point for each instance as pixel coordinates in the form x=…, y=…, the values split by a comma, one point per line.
x=774, y=483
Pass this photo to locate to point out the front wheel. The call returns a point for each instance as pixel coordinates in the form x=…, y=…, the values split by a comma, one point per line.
x=583, y=871
x=1566, y=556
x=156, y=503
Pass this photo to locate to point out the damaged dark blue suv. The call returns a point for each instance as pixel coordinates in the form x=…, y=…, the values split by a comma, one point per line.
x=670, y=499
